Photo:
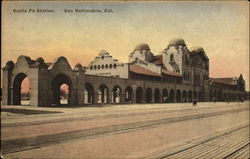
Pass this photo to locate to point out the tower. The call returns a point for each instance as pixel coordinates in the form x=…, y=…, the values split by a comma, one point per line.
x=176, y=58
x=141, y=52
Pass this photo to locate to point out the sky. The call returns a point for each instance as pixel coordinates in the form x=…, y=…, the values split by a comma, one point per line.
x=221, y=28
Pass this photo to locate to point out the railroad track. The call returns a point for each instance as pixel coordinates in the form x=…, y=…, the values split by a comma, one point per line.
x=17, y=145
x=99, y=117
x=229, y=144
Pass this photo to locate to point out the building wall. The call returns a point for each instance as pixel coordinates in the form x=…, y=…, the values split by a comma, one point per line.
x=105, y=65
x=147, y=65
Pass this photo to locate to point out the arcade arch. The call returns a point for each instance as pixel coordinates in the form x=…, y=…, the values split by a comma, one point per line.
x=21, y=90
x=56, y=84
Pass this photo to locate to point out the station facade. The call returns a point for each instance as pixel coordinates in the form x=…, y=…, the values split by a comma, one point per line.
x=177, y=75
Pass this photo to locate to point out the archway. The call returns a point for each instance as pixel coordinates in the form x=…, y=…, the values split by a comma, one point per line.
x=157, y=95
x=224, y=97
x=184, y=96
x=200, y=96
x=64, y=92
x=195, y=95
x=103, y=94
x=172, y=96
x=148, y=95
x=165, y=98
x=220, y=95
x=57, y=83
x=117, y=91
x=128, y=94
x=190, y=96
x=211, y=95
x=89, y=94
x=178, y=96
x=139, y=94
x=215, y=96
x=21, y=90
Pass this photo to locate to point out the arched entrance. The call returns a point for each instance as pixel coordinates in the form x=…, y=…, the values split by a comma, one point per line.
x=195, y=95
x=128, y=94
x=211, y=95
x=190, y=96
x=165, y=98
x=64, y=92
x=21, y=90
x=148, y=95
x=157, y=95
x=89, y=94
x=184, y=96
x=200, y=97
x=57, y=83
x=117, y=91
x=178, y=96
x=172, y=96
x=139, y=94
x=220, y=95
x=224, y=97
x=103, y=94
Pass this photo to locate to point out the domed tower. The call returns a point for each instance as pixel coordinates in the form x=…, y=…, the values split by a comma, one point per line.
x=200, y=62
x=142, y=52
x=176, y=57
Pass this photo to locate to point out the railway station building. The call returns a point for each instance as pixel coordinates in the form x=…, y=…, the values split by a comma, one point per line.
x=177, y=75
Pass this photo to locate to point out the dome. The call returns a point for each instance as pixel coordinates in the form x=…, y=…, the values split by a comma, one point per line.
x=196, y=49
x=103, y=52
x=78, y=65
x=177, y=41
x=142, y=46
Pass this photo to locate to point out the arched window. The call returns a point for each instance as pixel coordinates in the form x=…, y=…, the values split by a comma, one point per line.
x=186, y=59
x=95, y=67
x=172, y=57
x=99, y=67
x=102, y=57
x=102, y=66
x=114, y=65
x=106, y=66
x=91, y=67
x=110, y=66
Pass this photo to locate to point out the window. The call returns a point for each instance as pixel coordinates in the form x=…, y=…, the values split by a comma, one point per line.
x=186, y=59
x=102, y=66
x=110, y=66
x=99, y=66
x=106, y=66
x=91, y=67
x=95, y=67
x=172, y=57
x=102, y=57
x=114, y=65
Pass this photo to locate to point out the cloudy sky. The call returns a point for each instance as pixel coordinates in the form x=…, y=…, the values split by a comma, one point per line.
x=221, y=28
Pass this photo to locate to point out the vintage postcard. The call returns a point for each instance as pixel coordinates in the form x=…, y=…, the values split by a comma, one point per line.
x=125, y=79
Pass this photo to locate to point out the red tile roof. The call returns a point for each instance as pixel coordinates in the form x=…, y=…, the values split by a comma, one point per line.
x=157, y=60
x=170, y=73
x=143, y=71
x=227, y=81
